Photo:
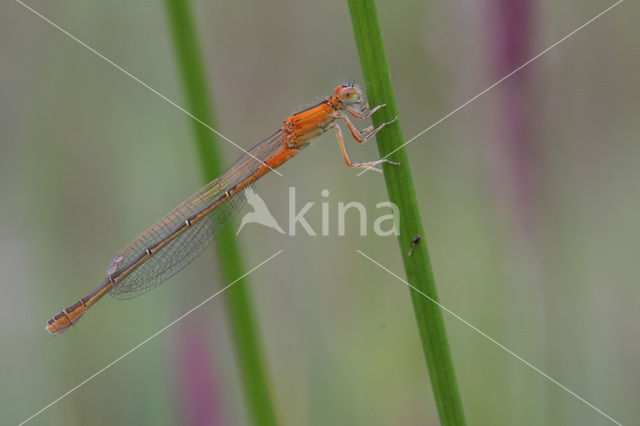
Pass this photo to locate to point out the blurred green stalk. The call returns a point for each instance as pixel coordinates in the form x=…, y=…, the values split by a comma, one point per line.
x=377, y=79
x=244, y=330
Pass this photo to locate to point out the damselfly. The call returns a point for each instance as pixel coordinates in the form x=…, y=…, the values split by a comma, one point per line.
x=171, y=243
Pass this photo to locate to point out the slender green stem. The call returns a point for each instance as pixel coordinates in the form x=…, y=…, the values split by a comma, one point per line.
x=248, y=346
x=377, y=79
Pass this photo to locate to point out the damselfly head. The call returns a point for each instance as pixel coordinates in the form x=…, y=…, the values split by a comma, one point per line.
x=348, y=94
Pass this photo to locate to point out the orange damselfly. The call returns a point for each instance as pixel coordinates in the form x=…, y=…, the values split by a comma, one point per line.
x=171, y=243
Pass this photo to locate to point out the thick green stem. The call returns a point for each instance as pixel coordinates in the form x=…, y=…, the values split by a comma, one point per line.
x=379, y=88
x=244, y=329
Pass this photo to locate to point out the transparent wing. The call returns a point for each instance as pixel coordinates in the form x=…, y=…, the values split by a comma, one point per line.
x=184, y=248
x=179, y=252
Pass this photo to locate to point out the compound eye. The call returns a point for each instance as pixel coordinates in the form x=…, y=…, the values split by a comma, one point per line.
x=348, y=93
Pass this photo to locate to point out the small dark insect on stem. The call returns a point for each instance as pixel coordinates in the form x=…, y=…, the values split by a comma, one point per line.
x=414, y=243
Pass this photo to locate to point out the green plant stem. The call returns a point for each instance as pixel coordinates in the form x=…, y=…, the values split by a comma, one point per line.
x=244, y=329
x=377, y=79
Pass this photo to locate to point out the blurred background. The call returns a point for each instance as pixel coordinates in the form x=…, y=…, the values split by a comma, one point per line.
x=529, y=196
